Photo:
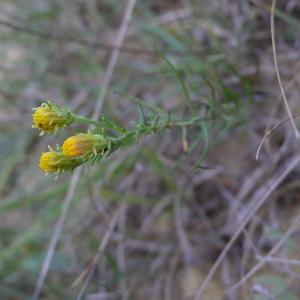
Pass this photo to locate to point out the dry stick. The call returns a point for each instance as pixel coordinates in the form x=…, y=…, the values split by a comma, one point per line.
x=114, y=57
x=155, y=212
x=89, y=272
x=57, y=232
x=168, y=290
x=121, y=253
x=263, y=261
x=277, y=70
x=280, y=260
x=283, y=172
x=181, y=234
x=75, y=178
x=271, y=131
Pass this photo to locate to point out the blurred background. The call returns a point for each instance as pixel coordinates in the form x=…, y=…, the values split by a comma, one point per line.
x=177, y=198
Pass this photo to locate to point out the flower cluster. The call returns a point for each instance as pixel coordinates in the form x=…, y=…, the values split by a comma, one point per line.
x=76, y=149
x=106, y=136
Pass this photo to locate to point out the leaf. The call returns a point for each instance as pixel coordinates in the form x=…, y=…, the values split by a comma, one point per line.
x=180, y=80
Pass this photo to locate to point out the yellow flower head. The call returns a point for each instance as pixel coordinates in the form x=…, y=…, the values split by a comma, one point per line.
x=84, y=144
x=48, y=118
x=56, y=162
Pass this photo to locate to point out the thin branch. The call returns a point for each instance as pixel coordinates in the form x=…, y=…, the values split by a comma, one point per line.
x=121, y=252
x=89, y=272
x=169, y=290
x=57, y=232
x=114, y=57
x=99, y=45
x=297, y=134
x=280, y=260
x=181, y=234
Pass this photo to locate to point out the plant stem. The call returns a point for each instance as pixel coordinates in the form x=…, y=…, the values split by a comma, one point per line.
x=103, y=124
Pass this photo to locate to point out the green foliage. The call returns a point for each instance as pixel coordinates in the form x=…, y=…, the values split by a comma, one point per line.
x=165, y=114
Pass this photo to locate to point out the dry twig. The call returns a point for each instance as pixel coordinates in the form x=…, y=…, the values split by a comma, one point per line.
x=277, y=70
x=75, y=178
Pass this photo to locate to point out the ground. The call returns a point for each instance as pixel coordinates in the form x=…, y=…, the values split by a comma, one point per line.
x=159, y=215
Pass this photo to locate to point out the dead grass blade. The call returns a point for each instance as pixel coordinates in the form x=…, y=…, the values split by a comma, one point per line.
x=297, y=135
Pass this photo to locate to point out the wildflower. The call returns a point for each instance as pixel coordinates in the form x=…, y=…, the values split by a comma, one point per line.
x=56, y=162
x=49, y=117
x=84, y=144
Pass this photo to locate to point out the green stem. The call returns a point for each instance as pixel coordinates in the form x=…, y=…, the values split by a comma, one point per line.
x=183, y=123
x=87, y=121
x=152, y=129
x=83, y=120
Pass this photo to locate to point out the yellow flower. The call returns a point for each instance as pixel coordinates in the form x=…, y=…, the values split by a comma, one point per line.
x=48, y=118
x=84, y=144
x=56, y=162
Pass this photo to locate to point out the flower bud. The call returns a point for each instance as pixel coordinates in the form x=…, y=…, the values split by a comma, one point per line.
x=57, y=162
x=84, y=144
x=49, y=118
